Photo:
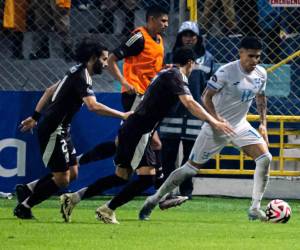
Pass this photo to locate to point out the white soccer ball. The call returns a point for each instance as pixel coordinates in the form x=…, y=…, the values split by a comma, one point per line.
x=278, y=211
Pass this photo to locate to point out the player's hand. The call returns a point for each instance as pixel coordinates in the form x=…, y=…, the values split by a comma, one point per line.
x=127, y=114
x=223, y=127
x=128, y=88
x=264, y=133
x=27, y=124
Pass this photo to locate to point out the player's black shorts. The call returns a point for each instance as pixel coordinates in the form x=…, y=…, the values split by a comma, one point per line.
x=127, y=101
x=57, y=149
x=130, y=151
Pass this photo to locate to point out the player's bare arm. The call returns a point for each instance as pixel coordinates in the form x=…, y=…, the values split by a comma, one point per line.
x=197, y=110
x=115, y=71
x=101, y=109
x=31, y=121
x=208, y=104
x=261, y=103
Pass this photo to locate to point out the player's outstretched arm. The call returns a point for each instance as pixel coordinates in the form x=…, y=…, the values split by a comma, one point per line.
x=208, y=104
x=261, y=103
x=31, y=121
x=101, y=109
x=197, y=110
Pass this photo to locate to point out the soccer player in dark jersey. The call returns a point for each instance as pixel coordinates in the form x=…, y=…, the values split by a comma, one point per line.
x=143, y=53
x=61, y=101
x=166, y=89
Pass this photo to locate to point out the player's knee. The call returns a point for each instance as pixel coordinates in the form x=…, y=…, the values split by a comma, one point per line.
x=73, y=173
x=264, y=160
x=123, y=173
x=62, y=181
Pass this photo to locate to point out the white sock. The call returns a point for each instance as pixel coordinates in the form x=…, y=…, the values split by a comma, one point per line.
x=260, y=180
x=174, y=180
x=76, y=197
x=31, y=185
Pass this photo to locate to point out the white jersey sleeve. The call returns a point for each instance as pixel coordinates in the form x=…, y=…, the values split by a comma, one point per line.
x=218, y=79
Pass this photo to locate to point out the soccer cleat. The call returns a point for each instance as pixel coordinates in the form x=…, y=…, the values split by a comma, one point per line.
x=172, y=202
x=107, y=215
x=257, y=214
x=146, y=210
x=23, y=212
x=22, y=192
x=67, y=205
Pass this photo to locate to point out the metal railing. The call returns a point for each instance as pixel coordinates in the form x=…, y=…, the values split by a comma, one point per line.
x=280, y=131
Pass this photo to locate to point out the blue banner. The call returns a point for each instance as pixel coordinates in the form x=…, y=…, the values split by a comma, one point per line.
x=20, y=160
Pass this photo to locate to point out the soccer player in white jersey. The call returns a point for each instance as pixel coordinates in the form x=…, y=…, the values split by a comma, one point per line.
x=228, y=96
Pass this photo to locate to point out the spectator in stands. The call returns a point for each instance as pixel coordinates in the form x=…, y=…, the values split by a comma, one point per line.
x=210, y=6
x=180, y=118
x=47, y=12
x=14, y=21
x=109, y=7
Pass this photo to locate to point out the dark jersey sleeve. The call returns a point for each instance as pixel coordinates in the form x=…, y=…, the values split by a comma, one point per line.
x=177, y=85
x=133, y=46
x=84, y=87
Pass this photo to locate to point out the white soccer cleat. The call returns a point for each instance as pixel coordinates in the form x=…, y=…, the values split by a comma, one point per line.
x=105, y=214
x=257, y=214
x=67, y=205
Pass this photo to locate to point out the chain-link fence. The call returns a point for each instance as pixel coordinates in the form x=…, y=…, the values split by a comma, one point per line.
x=38, y=37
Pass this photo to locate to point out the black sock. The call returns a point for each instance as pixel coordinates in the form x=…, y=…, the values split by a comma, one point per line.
x=157, y=158
x=99, y=152
x=159, y=178
x=131, y=190
x=103, y=184
x=42, y=180
x=42, y=192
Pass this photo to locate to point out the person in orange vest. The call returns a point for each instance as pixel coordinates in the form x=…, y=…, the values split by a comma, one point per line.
x=14, y=22
x=143, y=52
x=57, y=11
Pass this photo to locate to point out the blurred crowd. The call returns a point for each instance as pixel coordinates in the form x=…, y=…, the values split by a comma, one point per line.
x=232, y=18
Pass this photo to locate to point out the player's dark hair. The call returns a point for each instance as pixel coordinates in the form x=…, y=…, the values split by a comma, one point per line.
x=88, y=48
x=250, y=42
x=156, y=11
x=183, y=55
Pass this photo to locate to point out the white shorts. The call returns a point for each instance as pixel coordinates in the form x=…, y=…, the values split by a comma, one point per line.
x=210, y=143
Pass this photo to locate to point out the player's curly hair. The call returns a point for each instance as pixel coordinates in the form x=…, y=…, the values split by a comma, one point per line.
x=88, y=48
x=183, y=55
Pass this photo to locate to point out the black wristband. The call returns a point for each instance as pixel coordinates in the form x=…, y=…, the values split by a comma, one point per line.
x=36, y=115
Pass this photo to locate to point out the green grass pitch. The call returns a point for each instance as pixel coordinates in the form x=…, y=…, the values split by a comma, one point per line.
x=203, y=223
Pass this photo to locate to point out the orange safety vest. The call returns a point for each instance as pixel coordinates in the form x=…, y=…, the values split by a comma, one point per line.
x=139, y=70
x=66, y=4
x=14, y=16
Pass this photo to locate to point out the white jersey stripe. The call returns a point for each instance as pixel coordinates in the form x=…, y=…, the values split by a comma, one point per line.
x=133, y=39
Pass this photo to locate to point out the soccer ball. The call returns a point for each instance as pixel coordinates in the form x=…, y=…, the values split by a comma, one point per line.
x=278, y=211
